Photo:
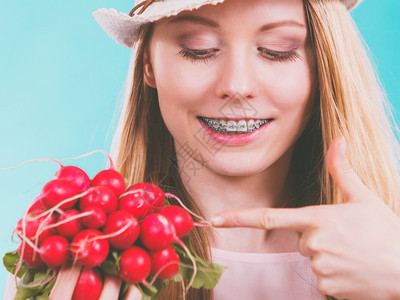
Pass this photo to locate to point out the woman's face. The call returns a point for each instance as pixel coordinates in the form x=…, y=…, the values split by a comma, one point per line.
x=234, y=82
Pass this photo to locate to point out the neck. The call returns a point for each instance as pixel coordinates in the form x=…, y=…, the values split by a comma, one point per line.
x=214, y=193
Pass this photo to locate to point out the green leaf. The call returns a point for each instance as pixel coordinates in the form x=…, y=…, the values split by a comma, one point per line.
x=111, y=264
x=150, y=291
x=32, y=280
x=159, y=284
x=207, y=274
x=32, y=284
x=45, y=293
x=123, y=290
x=10, y=261
x=23, y=294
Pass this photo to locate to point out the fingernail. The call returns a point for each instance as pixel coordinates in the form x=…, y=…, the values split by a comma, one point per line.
x=217, y=221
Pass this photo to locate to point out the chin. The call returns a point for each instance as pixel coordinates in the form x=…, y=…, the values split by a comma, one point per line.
x=232, y=165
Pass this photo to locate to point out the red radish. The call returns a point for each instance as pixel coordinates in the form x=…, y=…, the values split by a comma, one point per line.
x=89, y=248
x=76, y=175
x=164, y=263
x=136, y=204
x=89, y=285
x=101, y=196
x=37, y=208
x=157, y=232
x=153, y=194
x=111, y=179
x=134, y=265
x=30, y=256
x=32, y=225
x=57, y=190
x=96, y=219
x=72, y=227
x=54, y=251
x=181, y=219
x=116, y=222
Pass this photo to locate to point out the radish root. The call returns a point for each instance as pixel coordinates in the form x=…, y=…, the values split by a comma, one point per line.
x=81, y=215
x=159, y=271
x=32, y=160
x=193, y=262
x=169, y=195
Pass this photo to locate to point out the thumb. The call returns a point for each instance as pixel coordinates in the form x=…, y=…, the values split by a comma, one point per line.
x=349, y=183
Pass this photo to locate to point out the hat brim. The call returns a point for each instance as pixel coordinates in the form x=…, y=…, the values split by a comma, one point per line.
x=350, y=4
x=124, y=29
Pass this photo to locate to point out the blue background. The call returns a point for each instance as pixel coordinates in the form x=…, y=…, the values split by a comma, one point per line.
x=61, y=77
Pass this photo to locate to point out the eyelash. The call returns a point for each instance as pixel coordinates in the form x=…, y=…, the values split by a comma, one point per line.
x=207, y=54
x=291, y=55
x=198, y=55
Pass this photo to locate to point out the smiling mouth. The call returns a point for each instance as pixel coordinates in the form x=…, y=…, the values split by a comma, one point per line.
x=228, y=126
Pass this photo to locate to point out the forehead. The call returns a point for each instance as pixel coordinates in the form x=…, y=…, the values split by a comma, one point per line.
x=245, y=13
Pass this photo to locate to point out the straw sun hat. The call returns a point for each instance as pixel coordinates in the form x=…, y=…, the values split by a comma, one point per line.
x=123, y=28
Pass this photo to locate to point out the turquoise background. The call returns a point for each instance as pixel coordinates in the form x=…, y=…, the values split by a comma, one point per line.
x=61, y=77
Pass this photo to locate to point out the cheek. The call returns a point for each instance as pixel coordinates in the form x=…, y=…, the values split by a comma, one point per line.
x=296, y=98
x=179, y=84
x=181, y=93
x=290, y=89
x=178, y=98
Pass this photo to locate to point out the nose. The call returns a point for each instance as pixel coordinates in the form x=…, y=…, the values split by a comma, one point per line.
x=237, y=76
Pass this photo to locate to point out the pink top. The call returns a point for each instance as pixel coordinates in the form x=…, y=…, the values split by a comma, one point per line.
x=256, y=276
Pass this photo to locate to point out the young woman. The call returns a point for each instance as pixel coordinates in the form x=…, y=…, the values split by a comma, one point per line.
x=268, y=109
x=265, y=115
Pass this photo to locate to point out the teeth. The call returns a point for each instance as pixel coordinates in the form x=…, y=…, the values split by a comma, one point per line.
x=232, y=127
x=242, y=126
x=215, y=124
x=222, y=126
x=251, y=125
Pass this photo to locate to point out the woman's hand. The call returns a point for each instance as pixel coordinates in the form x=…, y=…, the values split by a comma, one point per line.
x=69, y=275
x=354, y=247
x=65, y=283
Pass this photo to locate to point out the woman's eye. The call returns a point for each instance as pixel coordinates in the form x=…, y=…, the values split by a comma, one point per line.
x=208, y=54
x=198, y=55
x=272, y=55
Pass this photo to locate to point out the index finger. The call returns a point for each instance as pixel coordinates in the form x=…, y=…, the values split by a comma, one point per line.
x=66, y=281
x=111, y=288
x=298, y=219
x=133, y=293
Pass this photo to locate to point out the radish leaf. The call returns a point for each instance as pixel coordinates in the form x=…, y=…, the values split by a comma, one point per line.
x=10, y=261
x=207, y=274
x=111, y=264
x=32, y=284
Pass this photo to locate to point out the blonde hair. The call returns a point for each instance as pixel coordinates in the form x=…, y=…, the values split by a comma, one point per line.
x=349, y=101
x=353, y=104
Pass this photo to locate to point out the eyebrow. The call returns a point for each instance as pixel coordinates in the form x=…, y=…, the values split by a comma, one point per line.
x=211, y=23
x=195, y=19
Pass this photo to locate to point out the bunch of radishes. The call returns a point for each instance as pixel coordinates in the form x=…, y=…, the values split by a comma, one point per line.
x=82, y=220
